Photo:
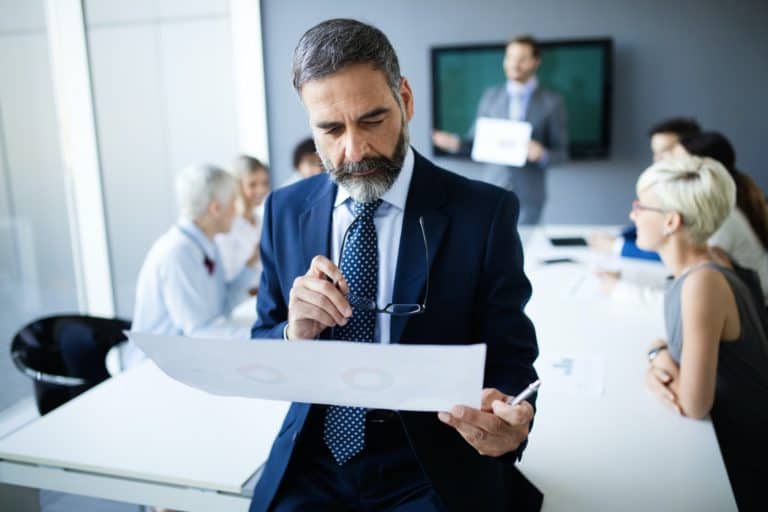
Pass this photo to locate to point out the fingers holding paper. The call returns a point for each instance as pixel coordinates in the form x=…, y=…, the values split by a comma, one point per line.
x=495, y=429
x=318, y=300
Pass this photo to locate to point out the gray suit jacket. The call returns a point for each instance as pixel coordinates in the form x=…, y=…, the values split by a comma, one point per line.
x=546, y=113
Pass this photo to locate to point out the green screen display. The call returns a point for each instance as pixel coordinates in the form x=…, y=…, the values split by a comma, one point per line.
x=578, y=70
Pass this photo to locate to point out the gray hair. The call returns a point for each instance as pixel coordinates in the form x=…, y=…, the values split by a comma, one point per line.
x=333, y=44
x=199, y=185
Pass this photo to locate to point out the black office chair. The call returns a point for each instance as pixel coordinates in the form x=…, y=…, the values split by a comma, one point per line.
x=64, y=355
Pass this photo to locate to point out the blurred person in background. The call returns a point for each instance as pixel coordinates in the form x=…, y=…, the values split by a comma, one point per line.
x=182, y=289
x=664, y=137
x=742, y=238
x=306, y=161
x=241, y=243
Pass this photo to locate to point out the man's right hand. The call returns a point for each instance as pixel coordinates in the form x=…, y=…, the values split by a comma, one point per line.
x=315, y=302
x=446, y=141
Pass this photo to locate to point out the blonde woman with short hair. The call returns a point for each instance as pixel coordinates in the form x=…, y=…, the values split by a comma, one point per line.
x=715, y=360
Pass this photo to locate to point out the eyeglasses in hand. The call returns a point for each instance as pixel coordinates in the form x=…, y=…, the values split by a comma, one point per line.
x=369, y=304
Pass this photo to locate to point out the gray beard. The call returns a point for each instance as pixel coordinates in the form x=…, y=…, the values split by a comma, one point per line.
x=366, y=189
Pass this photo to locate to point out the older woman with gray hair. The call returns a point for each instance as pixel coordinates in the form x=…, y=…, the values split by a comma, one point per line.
x=181, y=288
x=715, y=360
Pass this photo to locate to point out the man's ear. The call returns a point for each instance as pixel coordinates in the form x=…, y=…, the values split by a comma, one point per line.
x=406, y=94
x=214, y=208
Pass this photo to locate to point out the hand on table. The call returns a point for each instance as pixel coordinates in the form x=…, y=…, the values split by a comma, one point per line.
x=601, y=241
x=608, y=280
x=495, y=429
x=315, y=302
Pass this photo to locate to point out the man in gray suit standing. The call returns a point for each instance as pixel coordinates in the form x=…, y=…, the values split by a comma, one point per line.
x=521, y=99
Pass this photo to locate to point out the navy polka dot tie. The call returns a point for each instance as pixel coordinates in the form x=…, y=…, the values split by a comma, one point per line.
x=344, y=429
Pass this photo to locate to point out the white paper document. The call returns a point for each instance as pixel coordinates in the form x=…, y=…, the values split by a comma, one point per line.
x=401, y=377
x=574, y=374
x=501, y=141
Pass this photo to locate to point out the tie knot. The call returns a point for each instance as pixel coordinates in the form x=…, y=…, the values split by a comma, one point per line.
x=365, y=211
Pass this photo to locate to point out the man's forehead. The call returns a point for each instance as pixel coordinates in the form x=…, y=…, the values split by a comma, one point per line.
x=519, y=47
x=349, y=91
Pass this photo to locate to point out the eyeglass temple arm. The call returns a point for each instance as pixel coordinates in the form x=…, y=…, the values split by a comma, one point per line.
x=426, y=257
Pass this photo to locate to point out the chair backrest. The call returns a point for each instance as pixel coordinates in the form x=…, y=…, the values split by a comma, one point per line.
x=64, y=354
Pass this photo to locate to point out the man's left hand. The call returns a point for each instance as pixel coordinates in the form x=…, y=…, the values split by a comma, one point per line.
x=535, y=151
x=495, y=429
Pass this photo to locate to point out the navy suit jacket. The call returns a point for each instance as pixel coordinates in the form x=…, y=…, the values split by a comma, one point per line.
x=477, y=294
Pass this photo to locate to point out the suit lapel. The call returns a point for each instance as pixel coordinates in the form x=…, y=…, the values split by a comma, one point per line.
x=425, y=197
x=315, y=222
x=533, y=112
x=501, y=109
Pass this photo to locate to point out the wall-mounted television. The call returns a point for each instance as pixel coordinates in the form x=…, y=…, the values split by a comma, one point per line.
x=580, y=70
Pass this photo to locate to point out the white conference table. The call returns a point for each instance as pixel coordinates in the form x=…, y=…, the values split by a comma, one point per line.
x=143, y=438
x=618, y=448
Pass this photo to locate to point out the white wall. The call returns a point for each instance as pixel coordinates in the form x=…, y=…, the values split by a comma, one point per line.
x=164, y=92
x=37, y=277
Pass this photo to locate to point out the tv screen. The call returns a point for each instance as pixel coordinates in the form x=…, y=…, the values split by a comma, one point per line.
x=580, y=70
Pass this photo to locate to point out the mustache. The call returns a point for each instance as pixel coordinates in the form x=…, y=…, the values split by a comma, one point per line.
x=349, y=169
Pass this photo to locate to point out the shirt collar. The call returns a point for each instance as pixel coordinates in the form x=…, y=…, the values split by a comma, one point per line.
x=515, y=88
x=192, y=230
x=397, y=193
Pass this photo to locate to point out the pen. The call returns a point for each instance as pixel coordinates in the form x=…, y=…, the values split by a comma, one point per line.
x=525, y=394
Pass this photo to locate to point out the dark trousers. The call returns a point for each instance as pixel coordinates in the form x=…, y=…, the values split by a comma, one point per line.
x=385, y=476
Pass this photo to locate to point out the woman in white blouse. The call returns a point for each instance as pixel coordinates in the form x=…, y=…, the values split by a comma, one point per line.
x=239, y=247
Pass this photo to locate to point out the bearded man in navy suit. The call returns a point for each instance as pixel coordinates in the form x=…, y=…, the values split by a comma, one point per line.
x=388, y=248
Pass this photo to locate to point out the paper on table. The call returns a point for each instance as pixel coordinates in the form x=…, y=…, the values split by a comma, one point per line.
x=577, y=374
x=402, y=377
x=501, y=141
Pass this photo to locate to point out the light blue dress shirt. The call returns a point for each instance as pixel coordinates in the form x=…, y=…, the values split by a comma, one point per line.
x=519, y=98
x=389, y=225
x=177, y=295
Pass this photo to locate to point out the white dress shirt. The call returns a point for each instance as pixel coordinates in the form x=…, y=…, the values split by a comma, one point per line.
x=176, y=294
x=389, y=225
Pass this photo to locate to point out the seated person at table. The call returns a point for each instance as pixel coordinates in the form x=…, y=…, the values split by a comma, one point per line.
x=181, y=288
x=306, y=161
x=715, y=360
x=664, y=136
x=743, y=236
x=241, y=243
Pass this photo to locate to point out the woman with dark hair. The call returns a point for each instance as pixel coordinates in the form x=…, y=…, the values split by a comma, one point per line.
x=749, y=197
x=744, y=234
